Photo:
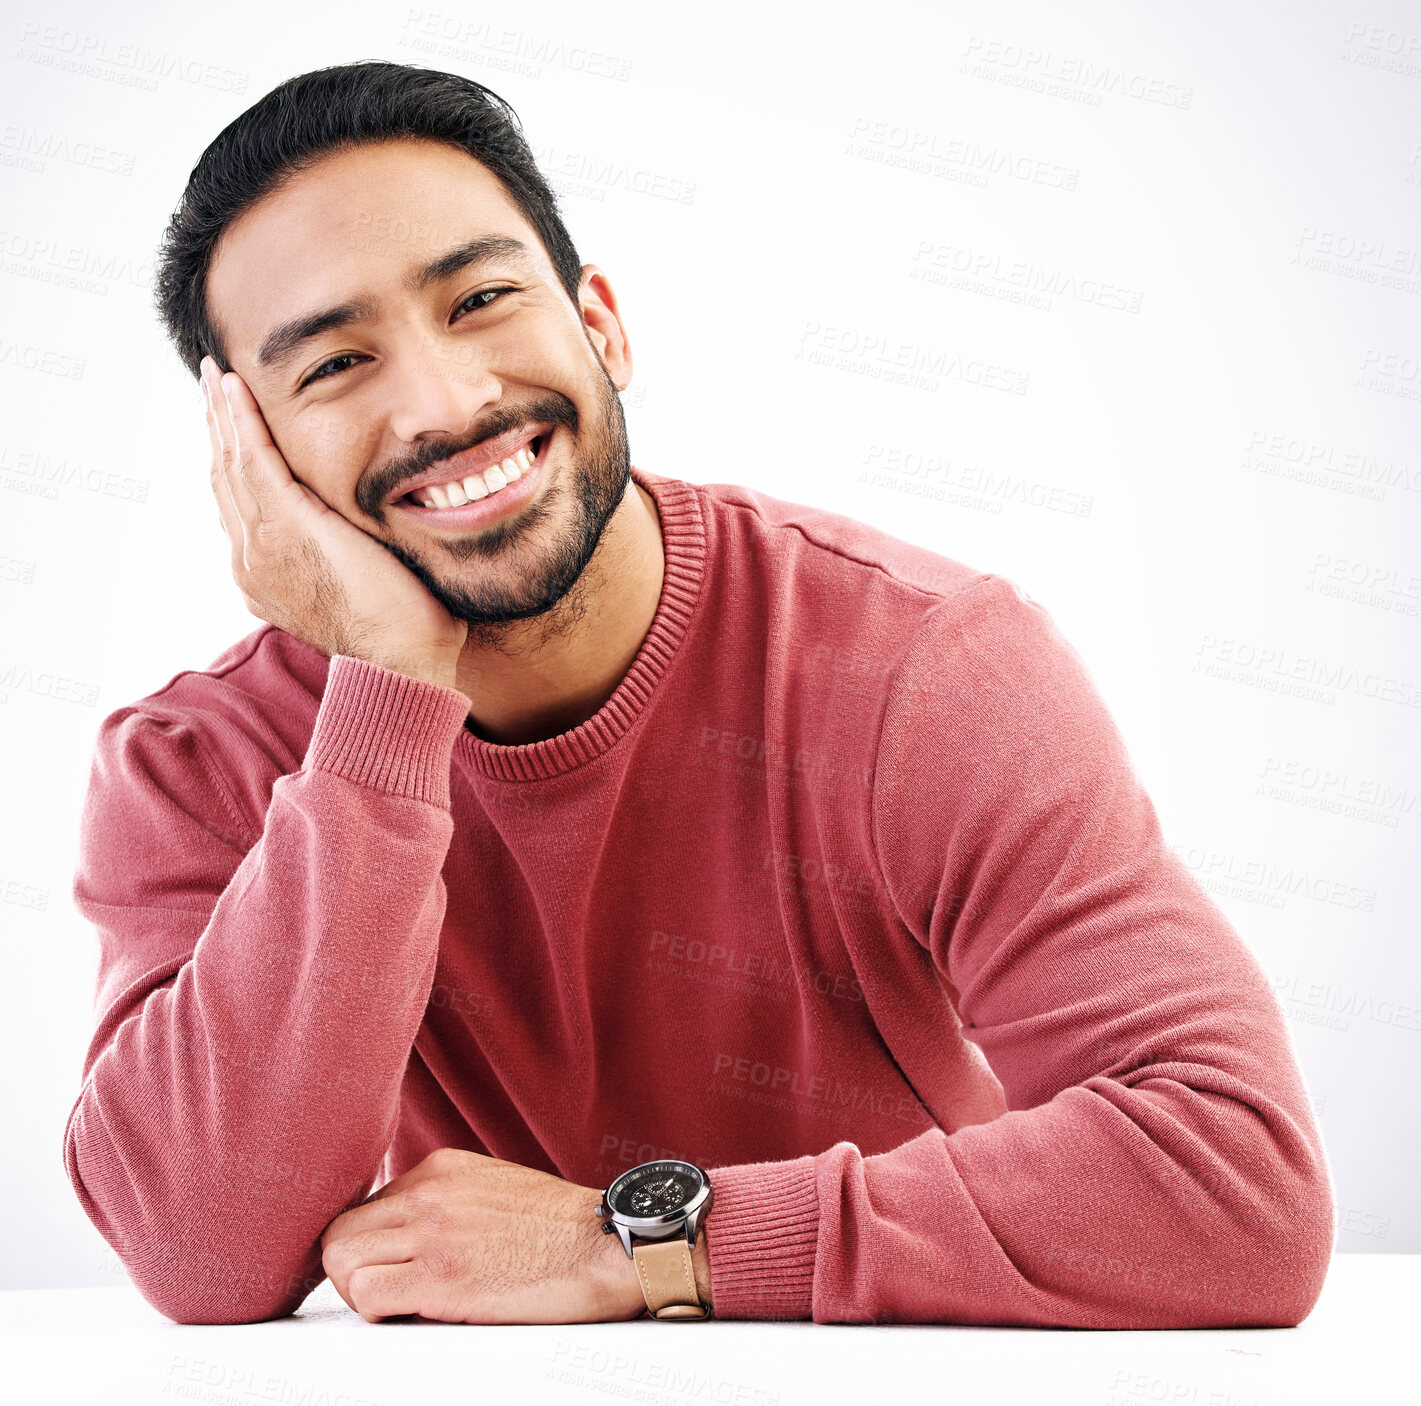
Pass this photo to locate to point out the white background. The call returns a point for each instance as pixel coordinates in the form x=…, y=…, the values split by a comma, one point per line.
x=1190, y=236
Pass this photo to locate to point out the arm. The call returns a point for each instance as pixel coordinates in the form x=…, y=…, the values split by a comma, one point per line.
x=256, y=1009
x=1158, y=1166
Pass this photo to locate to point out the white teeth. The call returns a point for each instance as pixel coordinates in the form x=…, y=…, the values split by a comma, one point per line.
x=476, y=486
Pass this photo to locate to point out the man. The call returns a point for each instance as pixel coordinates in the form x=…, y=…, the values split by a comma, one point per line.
x=568, y=827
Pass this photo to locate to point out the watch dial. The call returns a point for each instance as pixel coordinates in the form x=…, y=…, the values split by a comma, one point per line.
x=659, y=1197
x=657, y=1190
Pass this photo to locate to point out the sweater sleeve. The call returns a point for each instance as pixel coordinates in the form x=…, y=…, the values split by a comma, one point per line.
x=1158, y=1165
x=258, y=994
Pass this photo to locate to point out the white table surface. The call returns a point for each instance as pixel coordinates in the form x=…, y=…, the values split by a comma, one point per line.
x=104, y=1346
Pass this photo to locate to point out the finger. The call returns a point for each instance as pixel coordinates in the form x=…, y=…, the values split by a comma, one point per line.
x=228, y=512
x=341, y=1258
x=385, y=1214
x=259, y=464
x=212, y=436
x=389, y=1290
x=240, y=494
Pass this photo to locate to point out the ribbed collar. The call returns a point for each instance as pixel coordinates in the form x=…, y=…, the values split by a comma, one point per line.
x=683, y=537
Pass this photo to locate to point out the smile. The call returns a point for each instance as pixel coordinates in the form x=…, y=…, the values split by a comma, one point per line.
x=458, y=491
x=466, y=503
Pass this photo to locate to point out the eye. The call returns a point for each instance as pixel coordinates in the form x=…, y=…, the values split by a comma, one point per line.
x=324, y=372
x=485, y=293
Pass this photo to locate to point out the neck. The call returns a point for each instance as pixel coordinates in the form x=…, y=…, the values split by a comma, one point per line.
x=552, y=673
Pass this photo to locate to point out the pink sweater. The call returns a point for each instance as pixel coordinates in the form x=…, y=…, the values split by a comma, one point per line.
x=848, y=894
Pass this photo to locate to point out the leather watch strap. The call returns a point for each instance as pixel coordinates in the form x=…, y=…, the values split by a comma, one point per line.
x=668, y=1278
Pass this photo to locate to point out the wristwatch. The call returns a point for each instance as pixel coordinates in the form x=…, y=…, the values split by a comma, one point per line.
x=657, y=1209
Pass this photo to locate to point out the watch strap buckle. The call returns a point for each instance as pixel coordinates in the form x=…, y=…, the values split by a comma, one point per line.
x=668, y=1278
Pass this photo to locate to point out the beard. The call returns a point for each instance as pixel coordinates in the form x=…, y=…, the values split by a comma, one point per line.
x=536, y=579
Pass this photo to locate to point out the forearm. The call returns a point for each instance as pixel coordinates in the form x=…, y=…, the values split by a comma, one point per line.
x=238, y=1107
x=1109, y=1207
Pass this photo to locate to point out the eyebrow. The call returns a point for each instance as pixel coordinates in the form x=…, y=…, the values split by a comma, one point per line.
x=285, y=339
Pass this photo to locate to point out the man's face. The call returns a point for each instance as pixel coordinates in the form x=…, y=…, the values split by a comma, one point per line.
x=362, y=409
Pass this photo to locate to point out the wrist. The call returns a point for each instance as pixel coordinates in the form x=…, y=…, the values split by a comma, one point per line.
x=428, y=666
x=619, y=1286
x=652, y=1208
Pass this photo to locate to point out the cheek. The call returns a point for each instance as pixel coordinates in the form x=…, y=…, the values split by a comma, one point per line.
x=329, y=437
x=536, y=356
x=329, y=450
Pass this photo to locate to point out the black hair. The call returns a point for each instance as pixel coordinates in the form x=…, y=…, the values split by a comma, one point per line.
x=331, y=110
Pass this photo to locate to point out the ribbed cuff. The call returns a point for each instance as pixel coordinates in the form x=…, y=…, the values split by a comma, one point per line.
x=761, y=1234
x=387, y=730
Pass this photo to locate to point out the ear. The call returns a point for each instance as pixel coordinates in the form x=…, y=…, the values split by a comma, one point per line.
x=604, y=325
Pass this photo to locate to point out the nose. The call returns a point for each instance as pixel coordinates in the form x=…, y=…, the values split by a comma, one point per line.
x=439, y=389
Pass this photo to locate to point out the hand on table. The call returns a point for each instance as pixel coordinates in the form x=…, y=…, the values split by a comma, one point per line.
x=473, y=1239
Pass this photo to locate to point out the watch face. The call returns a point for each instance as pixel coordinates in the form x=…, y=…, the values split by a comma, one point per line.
x=655, y=1189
